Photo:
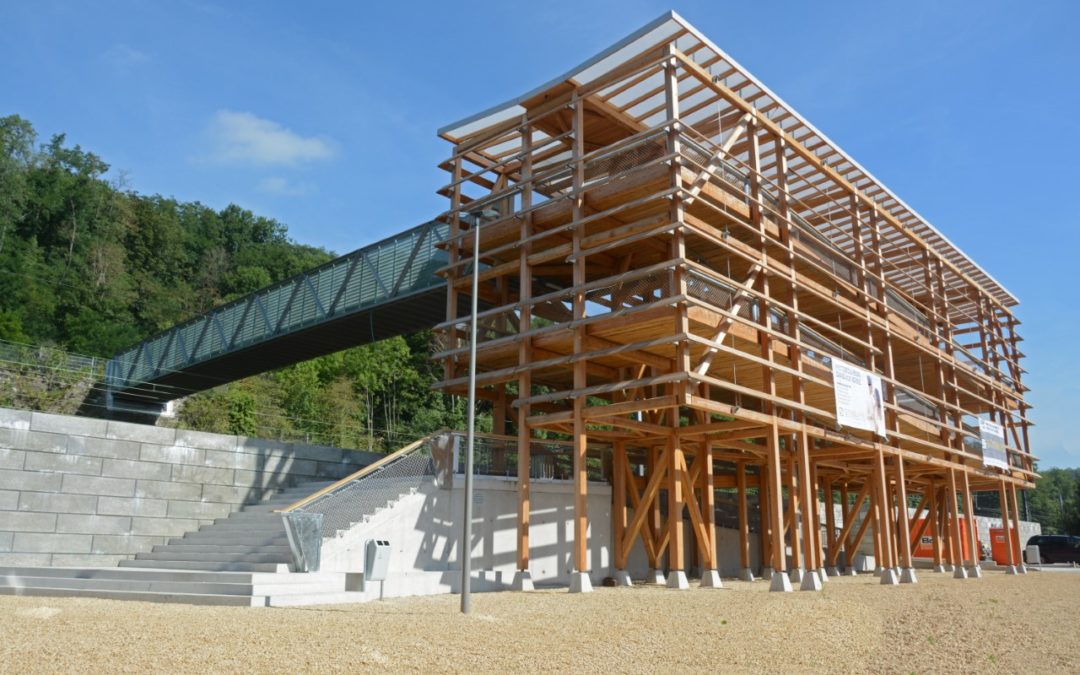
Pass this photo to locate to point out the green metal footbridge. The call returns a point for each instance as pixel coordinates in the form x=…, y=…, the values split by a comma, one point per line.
x=385, y=289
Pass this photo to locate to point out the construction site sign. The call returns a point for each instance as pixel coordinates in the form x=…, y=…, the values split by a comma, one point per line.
x=860, y=401
x=993, y=444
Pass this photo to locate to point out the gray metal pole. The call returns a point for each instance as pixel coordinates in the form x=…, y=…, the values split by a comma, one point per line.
x=466, y=539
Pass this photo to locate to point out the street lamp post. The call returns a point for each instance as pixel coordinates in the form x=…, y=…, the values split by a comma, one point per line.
x=466, y=539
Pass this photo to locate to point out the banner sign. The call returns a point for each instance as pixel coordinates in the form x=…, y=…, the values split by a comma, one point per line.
x=860, y=399
x=993, y=444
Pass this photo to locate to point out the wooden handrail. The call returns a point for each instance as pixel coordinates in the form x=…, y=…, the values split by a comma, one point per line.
x=361, y=473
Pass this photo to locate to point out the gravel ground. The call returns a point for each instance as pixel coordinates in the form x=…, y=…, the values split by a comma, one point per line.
x=995, y=624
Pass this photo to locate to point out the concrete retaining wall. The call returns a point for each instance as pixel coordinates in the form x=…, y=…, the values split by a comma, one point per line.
x=78, y=491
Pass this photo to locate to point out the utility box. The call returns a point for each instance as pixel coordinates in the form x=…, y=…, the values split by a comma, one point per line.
x=1032, y=555
x=376, y=560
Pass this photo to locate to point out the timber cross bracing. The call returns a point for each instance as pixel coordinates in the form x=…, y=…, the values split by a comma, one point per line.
x=384, y=289
x=673, y=261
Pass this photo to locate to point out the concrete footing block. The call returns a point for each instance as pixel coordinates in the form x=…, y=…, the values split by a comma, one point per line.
x=889, y=578
x=907, y=576
x=878, y=570
x=940, y=569
x=767, y=573
x=655, y=577
x=823, y=575
x=851, y=572
x=780, y=583
x=676, y=579
x=746, y=574
x=974, y=572
x=1011, y=569
x=711, y=579
x=1021, y=568
x=797, y=575
x=832, y=571
x=580, y=582
x=811, y=581
x=522, y=581
x=622, y=578
x=959, y=572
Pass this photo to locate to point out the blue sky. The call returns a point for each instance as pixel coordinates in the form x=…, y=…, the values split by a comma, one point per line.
x=323, y=115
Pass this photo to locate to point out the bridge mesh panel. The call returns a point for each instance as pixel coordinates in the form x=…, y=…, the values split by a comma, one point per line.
x=398, y=266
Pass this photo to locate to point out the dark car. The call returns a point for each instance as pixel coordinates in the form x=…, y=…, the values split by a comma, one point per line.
x=1055, y=548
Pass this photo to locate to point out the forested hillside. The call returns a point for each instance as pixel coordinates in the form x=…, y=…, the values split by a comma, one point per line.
x=90, y=266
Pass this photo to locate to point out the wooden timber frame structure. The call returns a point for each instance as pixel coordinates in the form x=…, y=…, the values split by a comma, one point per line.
x=671, y=259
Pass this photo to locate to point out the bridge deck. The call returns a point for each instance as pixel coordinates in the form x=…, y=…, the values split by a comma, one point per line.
x=385, y=289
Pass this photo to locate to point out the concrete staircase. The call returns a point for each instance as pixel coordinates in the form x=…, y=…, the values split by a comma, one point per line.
x=243, y=559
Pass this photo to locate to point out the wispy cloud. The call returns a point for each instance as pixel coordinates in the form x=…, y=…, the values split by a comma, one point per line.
x=244, y=138
x=122, y=56
x=278, y=185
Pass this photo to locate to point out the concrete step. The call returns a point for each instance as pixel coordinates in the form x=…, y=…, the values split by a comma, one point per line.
x=144, y=596
x=207, y=556
x=330, y=598
x=140, y=584
x=251, y=517
x=208, y=566
x=240, y=527
x=181, y=546
x=209, y=538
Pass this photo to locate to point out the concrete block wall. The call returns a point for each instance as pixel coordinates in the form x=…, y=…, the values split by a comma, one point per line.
x=78, y=491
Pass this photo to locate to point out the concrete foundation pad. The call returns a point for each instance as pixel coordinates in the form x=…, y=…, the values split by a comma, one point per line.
x=780, y=583
x=676, y=579
x=655, y=577
x=811, y=581
x=851, y=572
x=878, y=571
x=1011, y=569
x=823, y=575
x=940, y=569
x=1022, y=568
x=888, y=577
x=711, y=579
x=580, y=582
x=522, y=581
x=907, y=576
x=745, y=574
x=959, y=572
x=797, y=575
x=622, y=578
x=832, y=571
x=974, y=572
x=766, y=573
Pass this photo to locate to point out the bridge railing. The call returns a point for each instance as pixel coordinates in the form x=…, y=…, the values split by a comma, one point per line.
x=392, y=268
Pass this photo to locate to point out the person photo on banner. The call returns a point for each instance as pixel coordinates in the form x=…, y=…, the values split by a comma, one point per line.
x=876, y=403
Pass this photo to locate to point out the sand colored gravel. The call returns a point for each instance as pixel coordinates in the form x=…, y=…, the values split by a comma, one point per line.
x=995, y=624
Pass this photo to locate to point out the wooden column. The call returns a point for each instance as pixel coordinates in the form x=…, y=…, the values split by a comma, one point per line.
x=1016, y=528
x=619, y=512
x=969, y=516
x=830, y=521
x=903, y=536
x=933, y=516
x=580, y=581
x=744, y=523
x=954, y=527
x=797, y=563
x=708, y=506
x=765, y=520
x=524, y=455
x=809, y=506
x=888, y=564
x=780, y=580
x=1003, y=497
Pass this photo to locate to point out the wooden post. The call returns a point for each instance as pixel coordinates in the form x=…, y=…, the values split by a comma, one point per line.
x=745, y=573
x=907, y=573
x=711, y=575
x=523, y=578
x=888, y=564
x=619, y=513
x=1016, y=529
x=580, y=579
x=972, y=535
x=812, y=579
x=779, y=580
x=1003, y=497
x=934, y=518
x=954, y=526
x=765, y=520
x=830, y=523
x=797, y=564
